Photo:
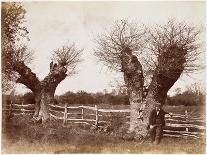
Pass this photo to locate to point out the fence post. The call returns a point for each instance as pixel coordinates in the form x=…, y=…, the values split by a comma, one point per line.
x=12, y=94
x=186, y=118
x=96, y=123
x=22, y=109
x=65, y=115
x=82, y=112
x=10, y=109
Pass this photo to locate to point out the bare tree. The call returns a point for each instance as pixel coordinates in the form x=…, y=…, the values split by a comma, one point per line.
x=117, y=49
x=44, y=90
x=196, y=88
x=68, y=56
x=168, y=51
x=67, y=59
x=122, y=34
x=17, y=56
x=175, y=47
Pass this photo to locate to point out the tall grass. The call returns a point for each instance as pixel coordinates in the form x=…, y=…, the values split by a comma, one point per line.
x=22, y=135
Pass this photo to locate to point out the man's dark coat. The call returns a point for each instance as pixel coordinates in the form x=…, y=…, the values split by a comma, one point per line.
x=154, y=116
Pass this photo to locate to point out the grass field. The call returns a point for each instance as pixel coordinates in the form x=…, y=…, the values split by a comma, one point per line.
x=108, y=146
x=22, y=135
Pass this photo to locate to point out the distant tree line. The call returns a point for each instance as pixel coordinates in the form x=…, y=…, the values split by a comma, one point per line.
x=82, y=97
x=187, y=98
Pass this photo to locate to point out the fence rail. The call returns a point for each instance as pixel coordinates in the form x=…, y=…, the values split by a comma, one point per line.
x=179, y=125
x=95, y=121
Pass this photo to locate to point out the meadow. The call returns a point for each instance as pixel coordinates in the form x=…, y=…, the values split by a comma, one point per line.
x=22, y=135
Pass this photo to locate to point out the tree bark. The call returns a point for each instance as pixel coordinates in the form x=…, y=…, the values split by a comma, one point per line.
x=163, y=79
x=48, y=85
x=43, y=90
x=27, y=77
x=42, y=111
x=133, y=77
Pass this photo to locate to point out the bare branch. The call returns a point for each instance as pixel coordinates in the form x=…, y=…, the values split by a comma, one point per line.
x=27, y=77
x=176, y=47
x=122, y=34
x=68, y=56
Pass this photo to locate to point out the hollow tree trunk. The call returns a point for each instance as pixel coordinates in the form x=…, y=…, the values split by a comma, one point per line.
x=133, y=77
x=43, y=90
x=163, y=79
x=48, y=87
x=157, y=92
x=45, y=98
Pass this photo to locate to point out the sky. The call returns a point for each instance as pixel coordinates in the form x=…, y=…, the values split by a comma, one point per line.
x=54, y=24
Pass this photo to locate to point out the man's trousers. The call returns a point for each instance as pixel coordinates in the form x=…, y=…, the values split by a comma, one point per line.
x=156, y=134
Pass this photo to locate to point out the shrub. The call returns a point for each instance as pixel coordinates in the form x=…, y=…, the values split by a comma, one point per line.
x=29, y=98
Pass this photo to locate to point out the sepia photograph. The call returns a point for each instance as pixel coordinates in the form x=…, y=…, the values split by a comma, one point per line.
x=103, y=77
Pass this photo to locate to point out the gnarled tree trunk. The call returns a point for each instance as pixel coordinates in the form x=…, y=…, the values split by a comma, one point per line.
x=157, y=93
x=48, y=87
x=43, y=90
x=163, y=79
x=133, y=77
x=42, y=110
x=169, y=69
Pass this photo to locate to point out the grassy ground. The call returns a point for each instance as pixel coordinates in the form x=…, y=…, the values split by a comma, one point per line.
x=22, y=135
x=112, y=146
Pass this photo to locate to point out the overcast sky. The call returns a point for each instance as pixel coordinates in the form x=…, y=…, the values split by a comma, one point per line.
x=53, y=24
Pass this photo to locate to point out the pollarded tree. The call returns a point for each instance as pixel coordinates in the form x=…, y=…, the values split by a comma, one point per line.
x=175, y=47
x=117, y=49
x=67, y=59
x=15, y=57
x=169, y=51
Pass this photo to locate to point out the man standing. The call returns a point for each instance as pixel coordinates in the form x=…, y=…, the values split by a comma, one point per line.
x=156, y=123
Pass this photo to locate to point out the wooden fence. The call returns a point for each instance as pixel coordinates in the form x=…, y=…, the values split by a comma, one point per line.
x=185, y=125
x=19, y=109
x=179, y=125
x=76, y=114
